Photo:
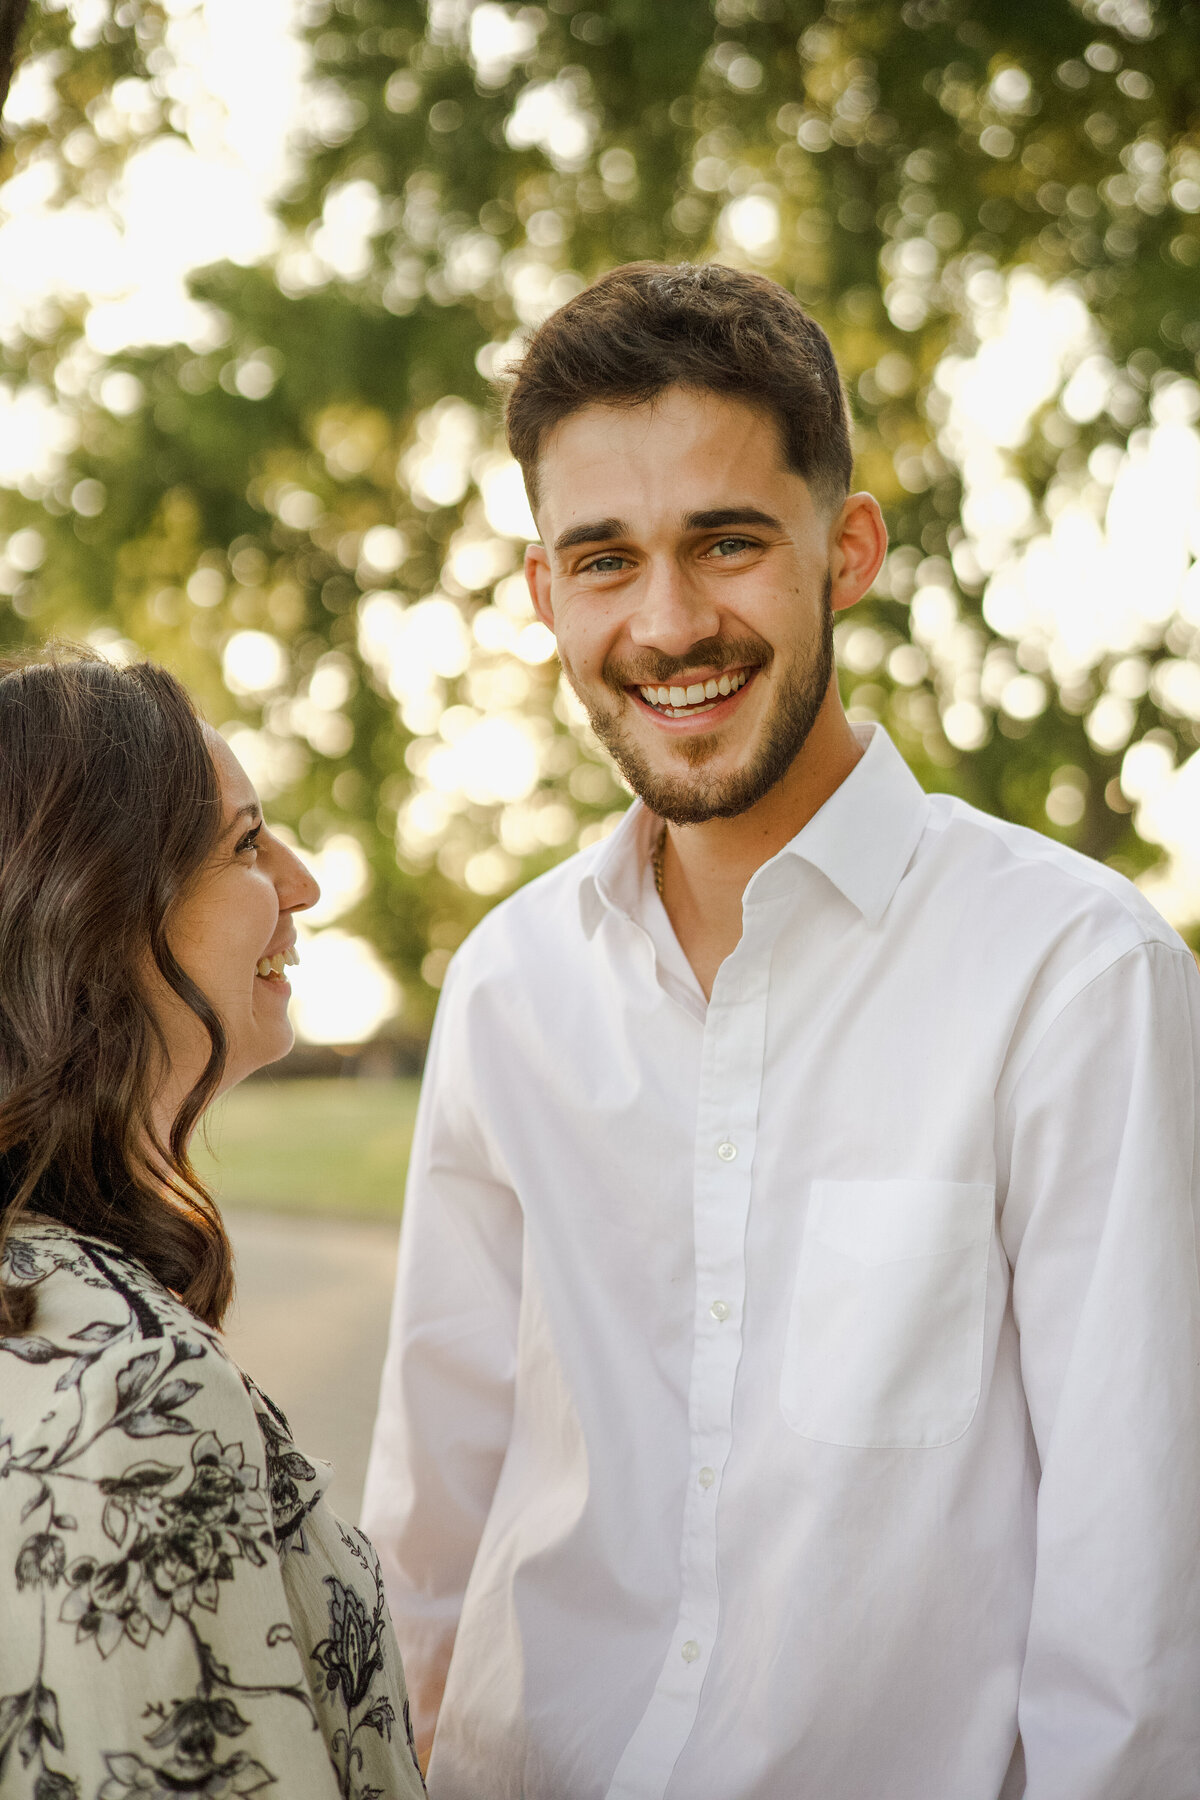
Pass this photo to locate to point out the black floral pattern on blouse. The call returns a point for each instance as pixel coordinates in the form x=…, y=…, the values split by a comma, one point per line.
x=185, y=1514
x=350, y=1659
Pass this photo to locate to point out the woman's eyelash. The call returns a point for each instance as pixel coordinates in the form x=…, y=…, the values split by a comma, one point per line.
x=250, y=841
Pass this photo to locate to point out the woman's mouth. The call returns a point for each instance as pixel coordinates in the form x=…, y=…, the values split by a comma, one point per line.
x=270, y=968
x=688, y=700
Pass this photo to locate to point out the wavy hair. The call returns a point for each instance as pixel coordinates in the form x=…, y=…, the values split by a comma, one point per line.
x=110, y=807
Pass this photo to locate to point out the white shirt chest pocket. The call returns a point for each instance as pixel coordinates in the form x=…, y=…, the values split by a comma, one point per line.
x=884, y=1345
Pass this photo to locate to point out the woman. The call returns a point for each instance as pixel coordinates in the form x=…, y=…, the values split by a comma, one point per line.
x=181, y=1612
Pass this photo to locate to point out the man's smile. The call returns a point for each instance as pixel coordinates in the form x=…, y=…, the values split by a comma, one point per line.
x=694, y=697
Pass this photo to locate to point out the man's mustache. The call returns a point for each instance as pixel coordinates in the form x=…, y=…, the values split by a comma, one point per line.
x=713, y=655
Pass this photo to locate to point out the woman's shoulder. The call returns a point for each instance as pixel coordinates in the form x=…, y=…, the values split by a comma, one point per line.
x=118, y=1380
x=113, y=1365
x=103, y=1320
x=69, y=1268
x=152, y=1499
x=120, y=1418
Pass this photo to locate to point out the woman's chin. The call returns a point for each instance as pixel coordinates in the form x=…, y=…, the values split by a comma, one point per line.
x=268, y=1047
x=284, y=1040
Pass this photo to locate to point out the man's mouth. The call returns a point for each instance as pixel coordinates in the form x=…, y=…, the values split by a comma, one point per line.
x=689, y=699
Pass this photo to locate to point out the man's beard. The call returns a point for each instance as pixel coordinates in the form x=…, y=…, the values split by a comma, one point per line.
x=692, y=799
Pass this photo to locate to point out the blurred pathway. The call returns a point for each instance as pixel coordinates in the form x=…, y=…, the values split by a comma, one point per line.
x=310, y=1324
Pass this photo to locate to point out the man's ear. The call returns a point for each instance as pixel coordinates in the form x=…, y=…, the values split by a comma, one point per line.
x=537, y=577
x=859, y=546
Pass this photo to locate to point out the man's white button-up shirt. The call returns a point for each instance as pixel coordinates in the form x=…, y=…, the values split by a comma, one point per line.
x=799, y=1394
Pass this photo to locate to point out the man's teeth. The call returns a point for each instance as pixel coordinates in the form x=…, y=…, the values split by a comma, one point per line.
x=269, y=966
x=679, y=701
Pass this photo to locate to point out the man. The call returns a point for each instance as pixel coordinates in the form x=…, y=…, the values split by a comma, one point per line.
x=793, y=1387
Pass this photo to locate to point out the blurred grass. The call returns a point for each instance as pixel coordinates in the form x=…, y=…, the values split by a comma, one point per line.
x=335, y=1147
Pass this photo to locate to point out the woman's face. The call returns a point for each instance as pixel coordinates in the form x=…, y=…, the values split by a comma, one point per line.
x=233, y=933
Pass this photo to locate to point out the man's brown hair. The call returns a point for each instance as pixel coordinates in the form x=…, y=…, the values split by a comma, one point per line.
x=649, y=326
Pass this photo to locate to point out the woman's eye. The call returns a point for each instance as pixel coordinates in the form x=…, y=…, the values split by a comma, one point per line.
x=250, y=841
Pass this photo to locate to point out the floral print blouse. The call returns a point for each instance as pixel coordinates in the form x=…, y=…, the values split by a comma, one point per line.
x=180, y=1612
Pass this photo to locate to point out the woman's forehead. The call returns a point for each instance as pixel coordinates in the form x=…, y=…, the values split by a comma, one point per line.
x=237, y=790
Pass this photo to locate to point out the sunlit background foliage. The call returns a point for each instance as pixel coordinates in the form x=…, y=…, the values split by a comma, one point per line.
x=282, y=472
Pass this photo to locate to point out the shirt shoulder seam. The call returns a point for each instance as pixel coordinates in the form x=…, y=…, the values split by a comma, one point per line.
x=1074, y=865
x=1102, y=961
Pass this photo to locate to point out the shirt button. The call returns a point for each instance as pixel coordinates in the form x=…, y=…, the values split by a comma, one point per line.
x=690, y=1651
x=727, y=1151
x=706, y=1477
x=720, y=1311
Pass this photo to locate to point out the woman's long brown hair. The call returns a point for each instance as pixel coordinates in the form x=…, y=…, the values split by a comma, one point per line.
x=109, y=808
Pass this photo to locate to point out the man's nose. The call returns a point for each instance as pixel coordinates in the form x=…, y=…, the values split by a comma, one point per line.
x=673, y=610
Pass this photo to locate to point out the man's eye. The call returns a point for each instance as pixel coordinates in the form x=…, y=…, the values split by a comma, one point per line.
x=604, y=565
x=731, y=546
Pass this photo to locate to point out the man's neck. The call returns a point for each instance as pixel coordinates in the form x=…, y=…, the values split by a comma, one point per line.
x=706, y=868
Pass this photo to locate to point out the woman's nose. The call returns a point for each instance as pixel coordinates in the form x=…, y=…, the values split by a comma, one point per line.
x=295, y=884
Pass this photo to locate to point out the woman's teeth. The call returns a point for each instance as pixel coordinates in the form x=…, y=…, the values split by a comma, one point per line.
x=271, y=968
x=701, y=696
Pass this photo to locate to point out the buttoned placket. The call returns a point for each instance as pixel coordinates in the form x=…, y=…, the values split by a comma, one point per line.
x=726, y=1126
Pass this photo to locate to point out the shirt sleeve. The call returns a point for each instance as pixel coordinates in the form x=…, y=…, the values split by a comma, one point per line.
x=1100, y=1225
x=446, y=1397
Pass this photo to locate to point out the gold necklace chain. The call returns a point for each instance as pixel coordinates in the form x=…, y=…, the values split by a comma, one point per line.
x=657, y=858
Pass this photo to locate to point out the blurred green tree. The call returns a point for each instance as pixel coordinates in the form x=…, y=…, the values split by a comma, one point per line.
x=307, y=511
x=12, y=14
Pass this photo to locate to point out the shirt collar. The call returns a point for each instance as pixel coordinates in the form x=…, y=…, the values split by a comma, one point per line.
x=862, y=840
x=613, y=878
x=864, y=836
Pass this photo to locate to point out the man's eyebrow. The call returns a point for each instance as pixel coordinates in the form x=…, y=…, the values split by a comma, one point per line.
x=603, y=531
x=599, y=531
x=731, y=515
